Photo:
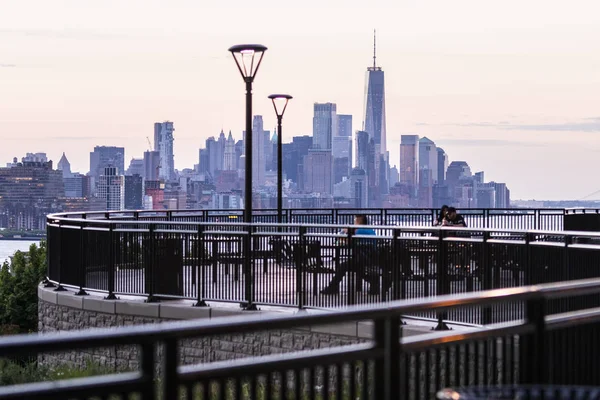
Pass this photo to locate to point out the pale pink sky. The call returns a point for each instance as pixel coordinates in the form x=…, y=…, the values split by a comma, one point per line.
x=512, y=87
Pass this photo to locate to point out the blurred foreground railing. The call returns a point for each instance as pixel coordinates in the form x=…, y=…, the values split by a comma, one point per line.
x=539, y=349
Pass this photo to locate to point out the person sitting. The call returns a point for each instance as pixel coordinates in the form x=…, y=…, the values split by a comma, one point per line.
x=454, y=219
x=441, y=215
x=361, y=255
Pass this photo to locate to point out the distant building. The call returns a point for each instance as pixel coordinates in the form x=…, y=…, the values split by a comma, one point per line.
x=317, y=172
x=75, y=186
x=136, y=167
x=64, y=165
x=409, y=162
x=30, y=190
x=324, y=125
x=358, y=188
x=106, y=156
x=344, y=125
x=163, y=143
x=442, y=162
x=230, y=160
x=134, y=192
x=111, y=189
x=151, y=165
x=428, y=158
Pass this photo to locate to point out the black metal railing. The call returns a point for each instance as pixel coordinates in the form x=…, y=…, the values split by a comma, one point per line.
x=539, y=349
x=312, y=265
x=499, y=218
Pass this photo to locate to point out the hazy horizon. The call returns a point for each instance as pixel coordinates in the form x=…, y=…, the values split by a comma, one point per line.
x=512, y=88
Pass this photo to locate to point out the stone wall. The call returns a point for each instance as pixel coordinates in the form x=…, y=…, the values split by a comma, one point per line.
x=63, y=311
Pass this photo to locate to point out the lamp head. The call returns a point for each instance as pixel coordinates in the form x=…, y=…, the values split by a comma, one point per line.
x=280, y=102
x=248, y=58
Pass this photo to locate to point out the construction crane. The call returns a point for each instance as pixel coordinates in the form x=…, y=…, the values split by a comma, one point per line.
x=149, y=144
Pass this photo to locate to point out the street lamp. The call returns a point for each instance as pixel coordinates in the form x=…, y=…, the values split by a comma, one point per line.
x=248, y=58
x=280, y=102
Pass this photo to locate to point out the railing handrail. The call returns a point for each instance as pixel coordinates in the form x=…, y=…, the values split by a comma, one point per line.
x=196, y=328
x=54, y=218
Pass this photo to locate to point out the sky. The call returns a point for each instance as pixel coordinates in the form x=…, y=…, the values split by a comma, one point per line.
x=511, y=87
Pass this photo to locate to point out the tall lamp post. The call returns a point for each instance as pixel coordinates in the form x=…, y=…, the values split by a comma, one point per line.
x=248, y=58
x=280, y=102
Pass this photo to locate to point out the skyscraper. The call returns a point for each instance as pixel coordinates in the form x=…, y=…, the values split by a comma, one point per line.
x=163, y=143
x=344, y=125
x=106, y=156
x=259, y=162
x=374, y=122
x=409, y=162
x=229, y=158
x=428, y=158
x=111, y=189
x=324, y=125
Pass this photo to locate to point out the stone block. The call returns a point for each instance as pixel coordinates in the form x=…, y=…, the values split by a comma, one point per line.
x=69, y=299
x=183, y=311
x=345, y=329
x=99, y=305
x=137, y=309
x=49, y=295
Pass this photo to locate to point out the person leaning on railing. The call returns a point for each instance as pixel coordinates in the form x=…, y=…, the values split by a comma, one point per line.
x=441, y=216
x=362, y=253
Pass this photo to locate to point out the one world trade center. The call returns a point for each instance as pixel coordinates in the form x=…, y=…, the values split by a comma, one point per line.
x=374, y=125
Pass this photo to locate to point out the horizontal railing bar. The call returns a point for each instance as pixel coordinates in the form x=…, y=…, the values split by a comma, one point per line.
x=445, y=338
x=573, y=318
x=88, y=387
x=279, y=362
x=578, y=287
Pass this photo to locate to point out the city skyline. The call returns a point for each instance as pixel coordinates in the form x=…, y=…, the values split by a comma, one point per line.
x=516, y=99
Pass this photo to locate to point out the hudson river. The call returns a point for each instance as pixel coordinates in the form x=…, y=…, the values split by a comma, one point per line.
x=8, y=247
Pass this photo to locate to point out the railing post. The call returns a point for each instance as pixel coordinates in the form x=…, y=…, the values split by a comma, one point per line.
x=488, y=282
x=201, y=274
x=248, y=271
x=387, y=375
x=352, y=287
x=398, y=268
x=82, y=261
x=443, y=280
x=171, y=386
x=527, y=270
x=533, y=351
x=147, y=364
x=111, y=263
x=151, y=266
x=300, y=263
x=60, y=288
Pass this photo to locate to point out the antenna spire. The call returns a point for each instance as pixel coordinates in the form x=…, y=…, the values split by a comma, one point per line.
x=374, y=48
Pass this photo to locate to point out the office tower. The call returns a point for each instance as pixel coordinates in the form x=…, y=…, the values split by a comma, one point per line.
x=394, y=176
x=342, y=157
x=485, y=195
x=358, y=188
x=317, y=172
x=136, y=166
x=478, y=177
x=409, y=162
x=268, y=151
x=151, y=165
x=64, y=165
x=324, y=125
x=374, y=123
x=212, y=149
x=502, y=194
x=361, y=149
x=442, y=162
x=106, y=156
x=229, y=156
x=457, y=174
x=30, y=190
x=428, y=158
x=134, y=192
x=259, y=162
x=425, y=191
x=74, y=186
x=344, y=125
x=111, y=189
x=163, y=143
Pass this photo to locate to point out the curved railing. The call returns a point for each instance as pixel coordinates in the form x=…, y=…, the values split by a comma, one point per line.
x=196, y=255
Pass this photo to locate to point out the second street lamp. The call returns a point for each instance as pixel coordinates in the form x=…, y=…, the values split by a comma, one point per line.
x=280, y=102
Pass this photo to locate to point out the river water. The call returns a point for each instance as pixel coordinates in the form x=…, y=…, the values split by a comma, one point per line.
x=8, y=248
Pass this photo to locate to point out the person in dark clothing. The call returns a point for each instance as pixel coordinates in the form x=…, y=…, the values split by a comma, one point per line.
x=454, y=219
x=362, y=251
x=441, y=215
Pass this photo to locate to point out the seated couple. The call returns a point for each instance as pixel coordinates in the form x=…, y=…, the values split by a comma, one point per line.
x=362, y=256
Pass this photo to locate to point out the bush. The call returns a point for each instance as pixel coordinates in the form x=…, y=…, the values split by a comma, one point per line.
x=18, y=290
